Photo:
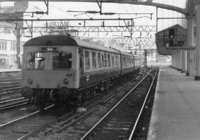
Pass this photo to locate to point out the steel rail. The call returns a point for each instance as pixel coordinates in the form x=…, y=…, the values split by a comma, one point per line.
x=75, y=118
x=26, y=116
x=106, y=115
x=14, y=105
x=66, y=123
x=6, y=101
x=142, y=108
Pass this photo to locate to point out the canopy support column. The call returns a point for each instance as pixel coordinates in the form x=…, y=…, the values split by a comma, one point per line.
x=197, y=77
x=190, y=40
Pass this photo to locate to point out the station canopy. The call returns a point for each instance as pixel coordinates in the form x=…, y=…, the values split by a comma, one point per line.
x=175, y=3
x=169, y=12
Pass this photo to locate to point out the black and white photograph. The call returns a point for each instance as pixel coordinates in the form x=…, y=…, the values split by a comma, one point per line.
x=99, y=70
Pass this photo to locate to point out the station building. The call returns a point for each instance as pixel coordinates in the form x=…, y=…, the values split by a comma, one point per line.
x=8, y=47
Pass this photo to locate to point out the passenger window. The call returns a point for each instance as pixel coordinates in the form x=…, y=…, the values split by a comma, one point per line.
x=105, y=60
x=102, y=60
x=81, y=64
x=99, y=60
x=62, y=60
x=116, y=60
x=128, y=62
x=87, y=60
x=108, y=60
x=113, y=62
x=36, y=60
x=94, y=64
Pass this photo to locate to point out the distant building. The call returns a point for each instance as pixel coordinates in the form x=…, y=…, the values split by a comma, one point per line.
x=8, y=48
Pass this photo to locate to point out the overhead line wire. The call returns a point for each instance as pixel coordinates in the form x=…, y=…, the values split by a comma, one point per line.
x=66, y=12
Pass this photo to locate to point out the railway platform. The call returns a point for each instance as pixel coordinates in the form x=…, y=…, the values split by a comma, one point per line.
x=176, y=109
x=9, y=70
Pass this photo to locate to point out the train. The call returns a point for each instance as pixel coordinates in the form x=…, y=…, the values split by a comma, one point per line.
x=65, y=69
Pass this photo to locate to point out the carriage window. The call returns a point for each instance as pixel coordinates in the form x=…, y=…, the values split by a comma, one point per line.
x=124, y=62
x=116, y=59
x=108, y=60
x=105, y=60
x=113, y=62
x=94, y=64
x=87, y=60
x=62, y=60
x=129, y=64
x=2, y=60
x=99, y=60
x=36, y=60
x=80, y=61
x=102, y=60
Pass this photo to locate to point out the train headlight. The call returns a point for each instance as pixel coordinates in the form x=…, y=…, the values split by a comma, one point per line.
x=65, y=81
x=30, y=81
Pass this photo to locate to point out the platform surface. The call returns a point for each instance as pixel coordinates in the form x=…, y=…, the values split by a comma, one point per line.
x=176, y=110
x=9, y=70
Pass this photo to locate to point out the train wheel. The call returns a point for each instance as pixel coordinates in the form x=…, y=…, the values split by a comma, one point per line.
x=57, y=103
x=84, y=97
x=42, y=100
x=79, y=99
x=32, y=101
x=92, y=92
x=39, y=99
x=105, y=86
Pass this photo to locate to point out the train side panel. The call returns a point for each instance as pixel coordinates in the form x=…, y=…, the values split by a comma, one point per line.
x=98, y=66
x=127, y=63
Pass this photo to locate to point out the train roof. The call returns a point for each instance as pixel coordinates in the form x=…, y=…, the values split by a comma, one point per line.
x=64, y=40
x=51, y=40
x=127, y=54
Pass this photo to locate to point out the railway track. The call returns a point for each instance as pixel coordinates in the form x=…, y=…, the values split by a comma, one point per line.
x=70, y=122
x=10, y=85
x=17, y=128
x=7, y=74
x=13, y=103
x=10, y=91
x=121, y=121
x=76, y=126
x=67, y=120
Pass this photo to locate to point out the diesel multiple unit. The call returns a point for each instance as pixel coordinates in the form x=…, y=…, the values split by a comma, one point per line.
x=65, y=69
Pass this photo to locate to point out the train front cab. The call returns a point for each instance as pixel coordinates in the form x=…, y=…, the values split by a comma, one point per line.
x=49, y=72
